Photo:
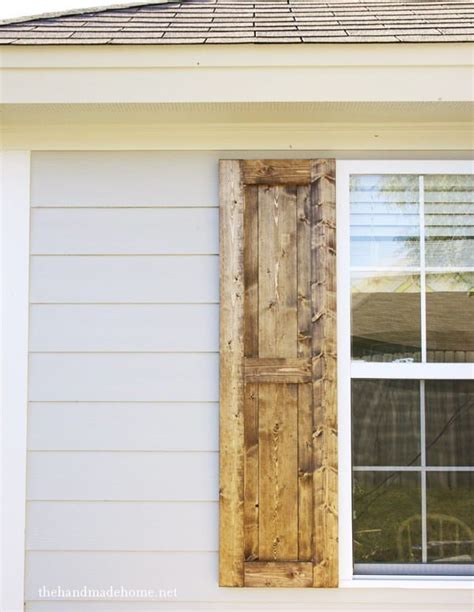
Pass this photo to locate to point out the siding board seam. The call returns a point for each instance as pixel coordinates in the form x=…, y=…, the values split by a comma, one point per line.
x=169, y=255
x=120, y=303
x=123, y=352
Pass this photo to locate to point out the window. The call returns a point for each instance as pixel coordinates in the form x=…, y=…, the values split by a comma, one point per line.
x=406, y=367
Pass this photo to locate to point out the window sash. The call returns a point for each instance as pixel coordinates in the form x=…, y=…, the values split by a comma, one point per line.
x=348, y=369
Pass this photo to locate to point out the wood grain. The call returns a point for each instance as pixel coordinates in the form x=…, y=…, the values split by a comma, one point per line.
x=251, y=272
x=277, y=272
x=323, y=254
x=278, y=574
x=277, y=172
x=278, y=492
x=305, y=394
x=277, y=370
x=251, y=472
x=277, y=337
x=251, y=390
x=285, y=504
x=231, y=423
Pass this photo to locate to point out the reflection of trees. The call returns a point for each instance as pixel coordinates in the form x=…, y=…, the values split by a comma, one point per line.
x=394, y=195
x=452, y=282
x=381, y=499
x=393, y=282
x=449, y=214
x=449, y=218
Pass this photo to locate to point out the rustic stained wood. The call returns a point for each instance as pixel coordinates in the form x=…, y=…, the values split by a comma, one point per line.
x=231, y=422
x=277, y=338
x=276, y=172
x=274, y=370
x=251, y=272
x=278, y=468
x=278, y=522
x=251, y=408
x=305, y=401
x=278, y=574
x=323, y=264
x=251, y=391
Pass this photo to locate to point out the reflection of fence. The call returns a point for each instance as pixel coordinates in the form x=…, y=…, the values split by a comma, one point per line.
x=386, y=423
x=449, y=540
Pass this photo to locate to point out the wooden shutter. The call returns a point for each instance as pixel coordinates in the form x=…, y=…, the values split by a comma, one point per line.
x=278, y=426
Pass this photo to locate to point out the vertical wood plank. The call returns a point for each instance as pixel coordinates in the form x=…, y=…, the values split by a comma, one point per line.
x=278, y=492
x=277, y=272
x=251, y=271
x=251, y=390
x=323, y=256
x=304, y=270
x=231, y=425
x=305, y=394
x=251, y=505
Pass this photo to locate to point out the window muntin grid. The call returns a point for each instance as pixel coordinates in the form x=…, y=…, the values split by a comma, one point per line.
x=395, y=234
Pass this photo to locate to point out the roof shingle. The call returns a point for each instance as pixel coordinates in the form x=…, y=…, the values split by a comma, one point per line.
x=259, y=21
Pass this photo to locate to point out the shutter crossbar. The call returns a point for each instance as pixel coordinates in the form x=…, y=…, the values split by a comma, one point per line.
x=295, y=574
x=274, y=370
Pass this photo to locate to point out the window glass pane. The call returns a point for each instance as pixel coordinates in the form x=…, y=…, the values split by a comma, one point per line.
x=385, y=317
x=386, y=422
x=384, y=220
x=449, y=220
x=413, y=466
x=450, y=317
x=450, y=517
x=386, y=511
x=449, y=417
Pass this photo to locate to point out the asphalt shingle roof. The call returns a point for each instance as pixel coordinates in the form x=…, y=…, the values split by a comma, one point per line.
x=253, y=21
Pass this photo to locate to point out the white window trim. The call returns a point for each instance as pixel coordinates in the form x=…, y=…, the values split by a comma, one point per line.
x=14, y=282
x=345, y=369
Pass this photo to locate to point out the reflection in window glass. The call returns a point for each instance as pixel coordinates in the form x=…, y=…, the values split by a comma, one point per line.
x=412, y=440
x=450, y=317
x=450, y=517
x=449, y=220
x=449, y=415
x=385, y=317
x=385, y=422
x=384, y=220
x=386, y=510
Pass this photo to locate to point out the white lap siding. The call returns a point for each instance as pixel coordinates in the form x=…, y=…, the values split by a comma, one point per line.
x=123, y=376
x=123, y=384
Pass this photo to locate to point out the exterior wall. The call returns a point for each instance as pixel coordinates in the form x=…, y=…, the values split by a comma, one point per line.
x=122, y=481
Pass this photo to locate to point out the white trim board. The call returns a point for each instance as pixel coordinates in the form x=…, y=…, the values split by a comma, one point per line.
x=377, y=139
x=231, y=55
x=232, y=73
x=14, y=216
x=237, y=84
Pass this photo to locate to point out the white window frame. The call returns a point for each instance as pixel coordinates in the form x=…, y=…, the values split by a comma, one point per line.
x=346, y=370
